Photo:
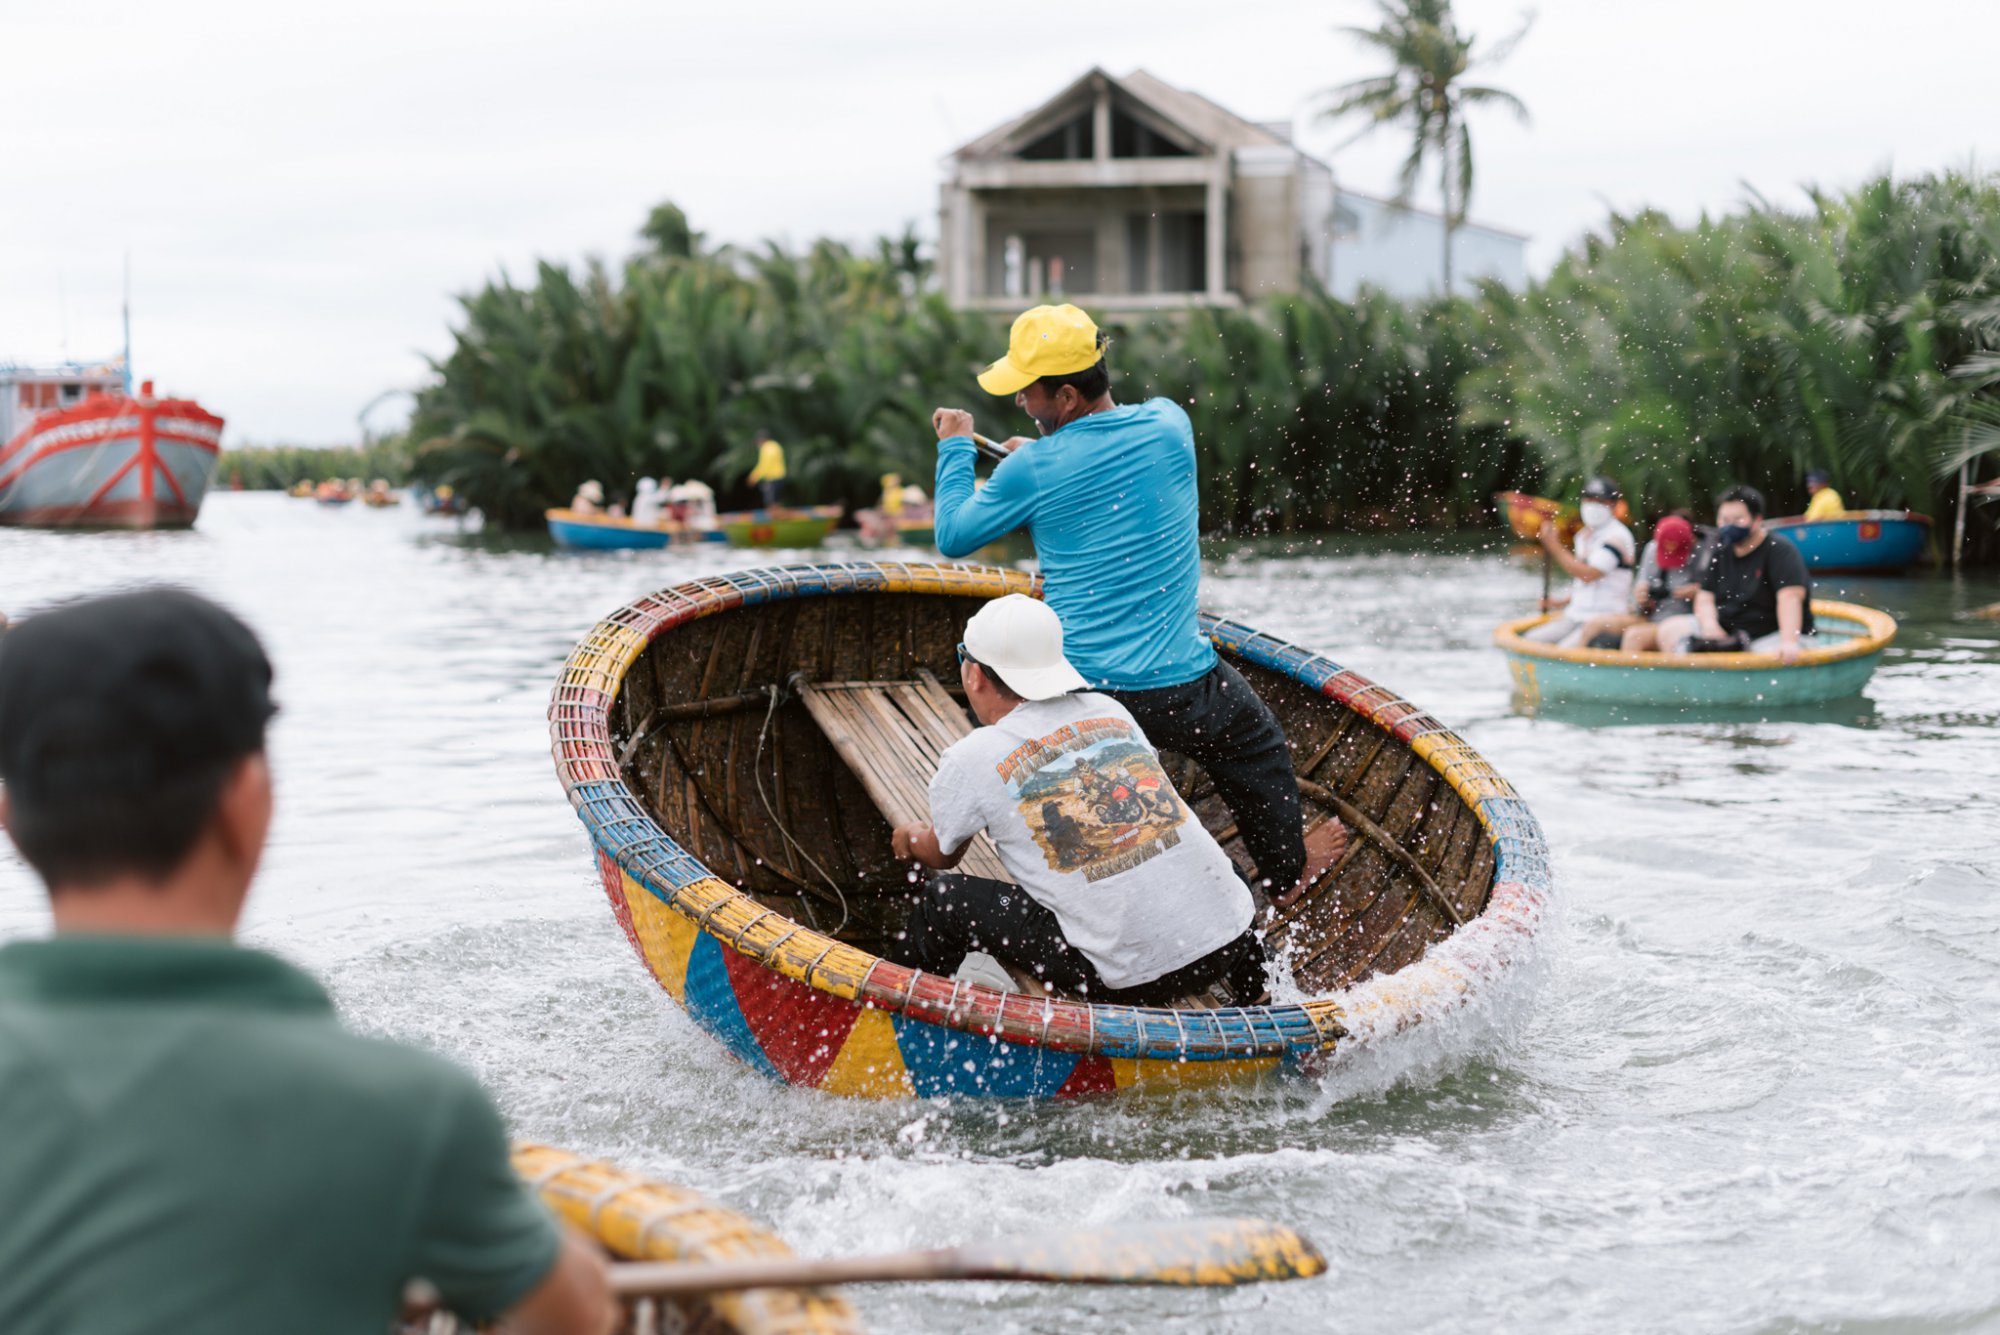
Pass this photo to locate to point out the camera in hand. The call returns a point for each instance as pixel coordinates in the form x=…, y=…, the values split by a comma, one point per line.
x=1735, y=642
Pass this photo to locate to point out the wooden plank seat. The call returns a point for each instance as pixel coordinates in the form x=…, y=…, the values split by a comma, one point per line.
x=891, y=734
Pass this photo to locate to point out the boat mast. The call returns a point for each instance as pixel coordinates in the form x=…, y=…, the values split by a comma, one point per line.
x=128, y=324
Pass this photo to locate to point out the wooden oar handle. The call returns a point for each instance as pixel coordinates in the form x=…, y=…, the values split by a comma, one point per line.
x=1210, y=1253
x=991, y=449
x=678, y=1279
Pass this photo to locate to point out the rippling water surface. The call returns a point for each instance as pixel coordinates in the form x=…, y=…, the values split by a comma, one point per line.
x=1756, y=1088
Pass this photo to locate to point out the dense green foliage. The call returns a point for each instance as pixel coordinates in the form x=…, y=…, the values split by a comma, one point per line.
x=1860, y=336
x=1863, y=334
x=277, y=467
x=674, y=367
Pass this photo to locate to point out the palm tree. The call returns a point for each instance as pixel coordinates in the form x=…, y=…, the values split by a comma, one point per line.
x=1428, y=60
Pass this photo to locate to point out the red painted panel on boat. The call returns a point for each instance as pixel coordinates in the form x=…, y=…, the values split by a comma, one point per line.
x=1091, y=1075
x=799, y=1028
x=614, y=889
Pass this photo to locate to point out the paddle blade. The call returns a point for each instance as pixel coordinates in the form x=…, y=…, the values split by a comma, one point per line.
x=1525, y=514
x=1205, y=1253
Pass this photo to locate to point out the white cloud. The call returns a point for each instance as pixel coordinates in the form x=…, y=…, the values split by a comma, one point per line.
x=303, y=192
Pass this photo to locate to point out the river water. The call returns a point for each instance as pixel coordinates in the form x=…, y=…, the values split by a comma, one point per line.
x=1755, y=1088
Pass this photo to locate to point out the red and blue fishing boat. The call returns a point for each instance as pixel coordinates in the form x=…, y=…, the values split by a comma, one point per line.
x=81, y=451
x=1859, y=541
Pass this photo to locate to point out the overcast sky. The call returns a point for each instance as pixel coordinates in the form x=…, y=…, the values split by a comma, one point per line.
x=302, y=190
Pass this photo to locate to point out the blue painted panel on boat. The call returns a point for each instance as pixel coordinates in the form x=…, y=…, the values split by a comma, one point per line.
x=604, y=537
x=712, y=1002
x=951, y=1061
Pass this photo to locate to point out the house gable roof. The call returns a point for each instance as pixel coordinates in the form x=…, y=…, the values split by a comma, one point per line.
x=1204, y=123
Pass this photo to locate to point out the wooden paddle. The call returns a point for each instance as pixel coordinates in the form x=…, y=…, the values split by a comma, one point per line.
x=991, y=449
x=1524, y=514
x=1205, y=1253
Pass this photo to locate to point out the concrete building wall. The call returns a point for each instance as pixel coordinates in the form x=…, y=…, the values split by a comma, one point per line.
x=1401, y=252
x=1264, y=223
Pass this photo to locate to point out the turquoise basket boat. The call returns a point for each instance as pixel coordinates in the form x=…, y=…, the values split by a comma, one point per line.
x=1851, y=639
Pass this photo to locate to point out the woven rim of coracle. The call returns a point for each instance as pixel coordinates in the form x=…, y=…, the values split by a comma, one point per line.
x=1877, y=629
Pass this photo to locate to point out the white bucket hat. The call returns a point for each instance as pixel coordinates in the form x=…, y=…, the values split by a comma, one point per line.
x=1021, y=639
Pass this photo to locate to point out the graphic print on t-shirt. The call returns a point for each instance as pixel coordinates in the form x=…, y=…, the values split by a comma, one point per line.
x=1094, y=797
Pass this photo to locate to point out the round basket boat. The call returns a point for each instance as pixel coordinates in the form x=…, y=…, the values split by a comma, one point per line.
x=1860, y=541
x=639, y=1220
x=750, y=865
x=1851, y=637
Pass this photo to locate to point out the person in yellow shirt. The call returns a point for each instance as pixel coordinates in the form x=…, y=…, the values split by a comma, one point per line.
x=891, y=503
x=769, y=474
x=1825, y=502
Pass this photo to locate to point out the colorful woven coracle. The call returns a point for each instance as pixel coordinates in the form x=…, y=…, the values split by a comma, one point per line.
x=749, y=862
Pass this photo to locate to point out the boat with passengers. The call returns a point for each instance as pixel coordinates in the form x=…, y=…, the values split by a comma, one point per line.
x=1851, y=641
x=739, y=748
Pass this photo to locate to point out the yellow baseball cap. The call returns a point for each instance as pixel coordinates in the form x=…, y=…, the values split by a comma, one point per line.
x=1048, y=340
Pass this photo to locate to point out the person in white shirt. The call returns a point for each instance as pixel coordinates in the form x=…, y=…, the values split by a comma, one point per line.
x=1119, y=893
x=1601, y=564
x=696, y=500
x=646, y=503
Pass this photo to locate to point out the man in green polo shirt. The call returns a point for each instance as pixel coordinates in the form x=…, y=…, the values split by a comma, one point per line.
x=189, y=1141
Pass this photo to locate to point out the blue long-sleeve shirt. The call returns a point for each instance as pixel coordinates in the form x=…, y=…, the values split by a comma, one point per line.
x=1111, y=503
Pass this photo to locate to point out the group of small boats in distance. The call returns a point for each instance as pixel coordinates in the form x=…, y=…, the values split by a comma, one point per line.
x=377, y=495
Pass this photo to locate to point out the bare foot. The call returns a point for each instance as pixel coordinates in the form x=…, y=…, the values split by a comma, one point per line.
x=1326, y=844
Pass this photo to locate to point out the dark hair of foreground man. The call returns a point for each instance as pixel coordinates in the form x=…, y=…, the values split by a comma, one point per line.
x=189, y=1141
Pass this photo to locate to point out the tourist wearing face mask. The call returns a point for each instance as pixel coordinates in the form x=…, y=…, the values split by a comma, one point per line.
x=1108, y=494
x=1755, y=592
x=1601, y=565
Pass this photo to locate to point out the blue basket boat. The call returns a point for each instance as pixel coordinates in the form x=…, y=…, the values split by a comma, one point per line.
x=1860, y=540
x=1852, y=639
x=603, y=533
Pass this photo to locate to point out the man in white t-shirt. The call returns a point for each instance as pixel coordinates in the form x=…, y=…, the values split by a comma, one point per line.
x=1602, y=566
x=1119, y=893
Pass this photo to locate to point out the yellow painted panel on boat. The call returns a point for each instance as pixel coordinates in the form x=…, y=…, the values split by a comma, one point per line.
x=1150, y=1074
x=624, y=647
x=869, y=1065
x=665, y=935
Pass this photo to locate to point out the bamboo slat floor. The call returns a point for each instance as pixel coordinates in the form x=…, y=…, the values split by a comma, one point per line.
x=891, y=734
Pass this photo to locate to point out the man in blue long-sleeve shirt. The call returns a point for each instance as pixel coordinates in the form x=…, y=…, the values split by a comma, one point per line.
x=1108, y=494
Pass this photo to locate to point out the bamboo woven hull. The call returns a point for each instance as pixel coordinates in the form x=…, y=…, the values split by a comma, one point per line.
x=684, y=774
x=638, y=1220
x=1870, y=541
x=1854, y=640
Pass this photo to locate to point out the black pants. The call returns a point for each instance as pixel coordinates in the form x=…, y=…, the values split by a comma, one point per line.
x=1219, y=722
x=773, y=490
x=955, y=914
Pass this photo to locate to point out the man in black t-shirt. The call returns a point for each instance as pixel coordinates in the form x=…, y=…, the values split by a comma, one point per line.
x=1756, y=586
